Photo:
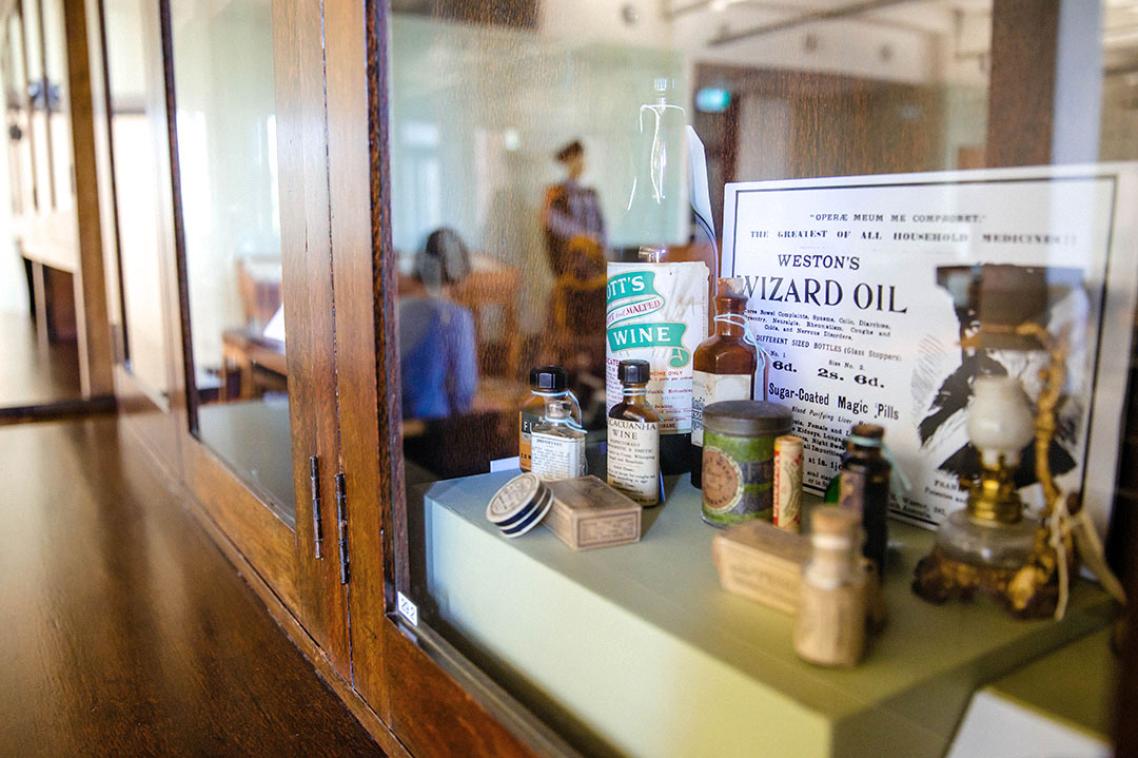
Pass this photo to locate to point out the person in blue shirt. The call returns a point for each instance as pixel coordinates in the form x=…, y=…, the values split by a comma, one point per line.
x=437, y=342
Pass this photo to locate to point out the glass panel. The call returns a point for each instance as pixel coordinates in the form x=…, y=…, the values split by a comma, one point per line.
x=59, y=118
x=535, y=145
x=37, y=92
x=15, y=91
x=481, y=107
x=138, y=137
x=226, y=120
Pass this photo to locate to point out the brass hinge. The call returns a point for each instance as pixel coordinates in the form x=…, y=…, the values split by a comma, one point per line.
x=317, y=522
x=342, y=526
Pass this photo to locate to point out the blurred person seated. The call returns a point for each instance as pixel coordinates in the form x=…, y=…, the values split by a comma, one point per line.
x=437, y=342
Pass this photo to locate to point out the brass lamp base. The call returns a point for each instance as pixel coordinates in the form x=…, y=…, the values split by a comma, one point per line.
x=1030, y=591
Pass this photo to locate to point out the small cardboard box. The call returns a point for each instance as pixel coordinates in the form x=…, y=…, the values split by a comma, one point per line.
x=587, y=513
x=761, y=562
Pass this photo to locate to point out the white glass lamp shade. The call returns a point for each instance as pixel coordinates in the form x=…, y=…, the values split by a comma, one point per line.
x=1000, y=421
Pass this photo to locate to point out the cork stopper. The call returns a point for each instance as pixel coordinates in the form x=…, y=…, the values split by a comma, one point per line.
x=832, y=521
x=730, y=303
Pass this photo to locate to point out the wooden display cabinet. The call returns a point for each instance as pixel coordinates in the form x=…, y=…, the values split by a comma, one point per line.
x=346, y=608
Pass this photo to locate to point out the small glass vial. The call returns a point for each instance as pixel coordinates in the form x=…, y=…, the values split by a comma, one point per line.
x=864, y=488
x=724, y=369
x=634, y=437
x=558, y=443
x=545, y=383
x=830, y=627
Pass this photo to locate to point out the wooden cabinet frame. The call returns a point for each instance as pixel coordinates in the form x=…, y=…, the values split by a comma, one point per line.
x=436, y=701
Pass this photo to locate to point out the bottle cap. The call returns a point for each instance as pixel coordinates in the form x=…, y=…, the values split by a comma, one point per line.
x=548, y=379
x=634, y=371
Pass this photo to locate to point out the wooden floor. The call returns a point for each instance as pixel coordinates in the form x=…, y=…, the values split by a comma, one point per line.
x=124, y=631
x=31, y=375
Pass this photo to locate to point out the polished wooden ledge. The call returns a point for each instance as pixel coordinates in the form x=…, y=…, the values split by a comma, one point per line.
x=125, y=629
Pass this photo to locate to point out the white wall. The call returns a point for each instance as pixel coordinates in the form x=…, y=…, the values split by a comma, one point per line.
x=13, y=281
x=227, y=146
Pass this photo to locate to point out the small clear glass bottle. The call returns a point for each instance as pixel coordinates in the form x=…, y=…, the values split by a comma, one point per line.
x=634, y=437
x=558, y=443
x=545, y=383
x=830, y=627
x=724, y=369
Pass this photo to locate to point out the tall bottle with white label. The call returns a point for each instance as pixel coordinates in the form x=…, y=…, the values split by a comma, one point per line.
x=724, y=369
x=557, y=443
x=634, y=437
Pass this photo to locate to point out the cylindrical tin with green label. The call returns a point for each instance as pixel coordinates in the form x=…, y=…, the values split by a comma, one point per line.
x=738, y=459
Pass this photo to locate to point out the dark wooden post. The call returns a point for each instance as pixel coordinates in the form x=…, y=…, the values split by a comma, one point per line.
x=1046, y=82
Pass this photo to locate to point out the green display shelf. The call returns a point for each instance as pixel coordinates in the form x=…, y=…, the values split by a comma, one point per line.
x=638, y=650
x=1073, y=686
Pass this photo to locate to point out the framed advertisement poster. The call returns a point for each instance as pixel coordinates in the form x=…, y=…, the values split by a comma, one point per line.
x=868, y=294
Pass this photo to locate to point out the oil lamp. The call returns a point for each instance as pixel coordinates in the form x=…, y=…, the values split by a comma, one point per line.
x=991, y=546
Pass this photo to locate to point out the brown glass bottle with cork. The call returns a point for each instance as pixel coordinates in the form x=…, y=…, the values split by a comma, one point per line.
x=634, y=437
x=724, y=369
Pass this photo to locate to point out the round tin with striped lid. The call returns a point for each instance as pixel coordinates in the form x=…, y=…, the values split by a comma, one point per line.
x=519, y=505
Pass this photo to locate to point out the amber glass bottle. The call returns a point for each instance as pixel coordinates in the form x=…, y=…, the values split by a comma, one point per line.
x=634, y=437
x=725, y=365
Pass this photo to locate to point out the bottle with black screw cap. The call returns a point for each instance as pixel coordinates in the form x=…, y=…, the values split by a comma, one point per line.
x=546, y=383
x=634, y=437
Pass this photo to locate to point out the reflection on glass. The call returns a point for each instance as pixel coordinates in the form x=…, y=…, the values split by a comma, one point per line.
x=15, y=95
x=37, y=95
x=59, y=120
x=546, y=139
x=226, y=122
x=545, y=142
x=137, y=137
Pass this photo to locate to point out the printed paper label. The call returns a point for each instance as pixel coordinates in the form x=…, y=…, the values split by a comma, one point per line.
x=634, y=459
x=656, y=312
x=526, y=422
x=713, y=388
x=555, y=457
x=881, y=298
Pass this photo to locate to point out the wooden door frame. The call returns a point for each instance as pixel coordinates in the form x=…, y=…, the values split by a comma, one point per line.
x=280, y=555
x=433, y=698
x=56, y=237
x=152, y=420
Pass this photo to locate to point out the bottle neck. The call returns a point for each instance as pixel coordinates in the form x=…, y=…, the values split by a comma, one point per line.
x=634, y=393
x=831, y=562
x=731, y=325
x=864, y=447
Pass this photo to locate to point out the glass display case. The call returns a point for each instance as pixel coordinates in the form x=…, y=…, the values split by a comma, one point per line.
x=535, y=149
x=377, y=261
